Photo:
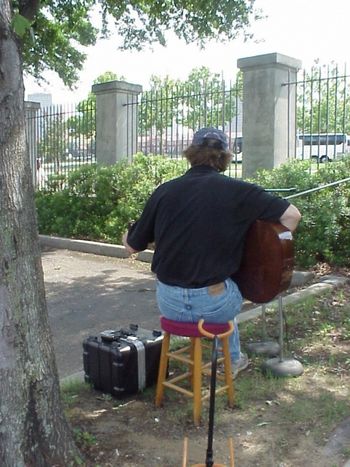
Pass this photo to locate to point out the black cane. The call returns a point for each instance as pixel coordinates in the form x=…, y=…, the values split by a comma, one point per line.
x=209, y=462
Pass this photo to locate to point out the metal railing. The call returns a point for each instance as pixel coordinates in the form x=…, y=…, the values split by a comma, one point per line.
x=168, y=117
x=64, y=139
x=318, y=188
x=323, y=114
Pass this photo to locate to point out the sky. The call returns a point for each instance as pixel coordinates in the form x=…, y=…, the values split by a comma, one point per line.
x=308, y=30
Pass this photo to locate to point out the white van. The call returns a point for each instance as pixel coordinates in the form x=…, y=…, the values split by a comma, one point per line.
x=323, y=147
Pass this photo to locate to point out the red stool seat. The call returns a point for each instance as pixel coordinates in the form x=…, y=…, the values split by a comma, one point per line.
x=187, y=329
x=190, y=354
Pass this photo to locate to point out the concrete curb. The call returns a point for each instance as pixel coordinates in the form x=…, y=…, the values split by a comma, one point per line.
x=96, y=248
x=300, y=278
x=328, y=283
x=119, y=251
x=78, y=377
x=311, y=291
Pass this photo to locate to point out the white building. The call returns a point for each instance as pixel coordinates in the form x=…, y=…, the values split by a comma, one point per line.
x=44, y=99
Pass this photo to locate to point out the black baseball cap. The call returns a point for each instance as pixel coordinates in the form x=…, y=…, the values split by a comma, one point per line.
x=204, y=134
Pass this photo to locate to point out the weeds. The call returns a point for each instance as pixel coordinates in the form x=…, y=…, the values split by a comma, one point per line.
x=275, y=421
x=83, y=438
x=72, y=390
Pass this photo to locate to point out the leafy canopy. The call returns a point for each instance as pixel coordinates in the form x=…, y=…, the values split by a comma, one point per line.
x=59, y=28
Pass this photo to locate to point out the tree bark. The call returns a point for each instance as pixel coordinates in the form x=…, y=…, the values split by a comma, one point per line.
x=33, y=428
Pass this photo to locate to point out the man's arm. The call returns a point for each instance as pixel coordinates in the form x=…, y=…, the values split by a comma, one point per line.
x=290, y=218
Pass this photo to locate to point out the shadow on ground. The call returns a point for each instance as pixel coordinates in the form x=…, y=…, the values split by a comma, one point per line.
x=87, y=294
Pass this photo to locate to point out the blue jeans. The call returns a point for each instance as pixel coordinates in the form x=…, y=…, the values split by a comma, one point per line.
x=180, y=304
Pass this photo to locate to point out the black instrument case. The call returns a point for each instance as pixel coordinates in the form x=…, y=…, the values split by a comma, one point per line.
x=122, y=362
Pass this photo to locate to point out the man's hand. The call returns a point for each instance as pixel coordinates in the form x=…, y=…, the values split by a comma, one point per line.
x=290, y=218
x=128, y=248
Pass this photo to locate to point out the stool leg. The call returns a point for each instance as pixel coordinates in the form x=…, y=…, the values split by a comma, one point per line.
x=191, y=367
x=228, y=372
x=163, y=363
x=197, y=380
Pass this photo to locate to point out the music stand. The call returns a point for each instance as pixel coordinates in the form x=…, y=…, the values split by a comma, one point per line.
x=280, y=366
x=265, y=346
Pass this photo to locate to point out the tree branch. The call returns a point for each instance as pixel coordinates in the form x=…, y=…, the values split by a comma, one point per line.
x=29, y=8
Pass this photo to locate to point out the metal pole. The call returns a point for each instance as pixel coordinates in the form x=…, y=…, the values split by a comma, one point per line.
x=280, y=366
x=209, y=458
x=280, y=317
x=263, y=318
x=312, y=190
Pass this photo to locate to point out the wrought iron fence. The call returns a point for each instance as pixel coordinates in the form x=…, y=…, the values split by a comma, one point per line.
x=323, y=114
x=65, y=140
x=167, y=118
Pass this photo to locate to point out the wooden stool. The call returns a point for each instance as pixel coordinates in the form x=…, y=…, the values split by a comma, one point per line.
x=191, y=355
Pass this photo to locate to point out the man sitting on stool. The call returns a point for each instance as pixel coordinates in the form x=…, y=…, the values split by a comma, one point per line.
x=198, y=222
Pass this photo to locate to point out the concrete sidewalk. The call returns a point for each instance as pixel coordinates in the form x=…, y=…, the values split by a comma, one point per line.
x=92, y=287
x=87, y=293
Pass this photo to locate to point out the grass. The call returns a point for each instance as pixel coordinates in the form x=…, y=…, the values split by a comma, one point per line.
x=316, y=330
x=285, y=411
x=84, y=438
x=72, y=390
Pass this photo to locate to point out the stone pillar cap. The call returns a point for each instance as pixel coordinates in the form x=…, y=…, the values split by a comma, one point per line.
x=113, y=86
x=268, y=60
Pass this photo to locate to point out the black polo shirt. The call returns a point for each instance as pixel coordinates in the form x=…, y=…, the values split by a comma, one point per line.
x=198, y=222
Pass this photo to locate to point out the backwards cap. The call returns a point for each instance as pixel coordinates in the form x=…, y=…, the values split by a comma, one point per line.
x=201, y=137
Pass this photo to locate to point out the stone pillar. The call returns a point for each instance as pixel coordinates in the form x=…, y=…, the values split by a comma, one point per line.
x=269, y=110
x=116, y=121
x=32, y=133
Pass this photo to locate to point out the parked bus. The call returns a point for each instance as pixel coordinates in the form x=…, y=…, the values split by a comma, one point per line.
x=323, y=147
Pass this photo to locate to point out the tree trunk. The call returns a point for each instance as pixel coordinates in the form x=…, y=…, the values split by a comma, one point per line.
x=33, y=429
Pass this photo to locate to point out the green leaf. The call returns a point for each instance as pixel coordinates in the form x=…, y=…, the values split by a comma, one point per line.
x=20, y=24
x=61, y=27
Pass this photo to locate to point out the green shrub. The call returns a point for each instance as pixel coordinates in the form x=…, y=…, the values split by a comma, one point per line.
x=323, y=234
x=98, y=203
